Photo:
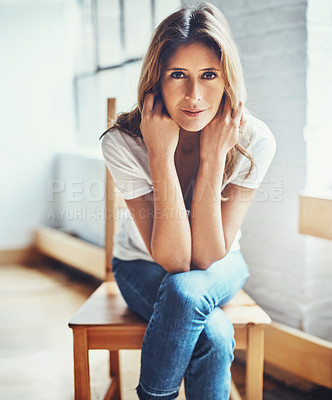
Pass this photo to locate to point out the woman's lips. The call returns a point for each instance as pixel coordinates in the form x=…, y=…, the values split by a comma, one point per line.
x=193, y=113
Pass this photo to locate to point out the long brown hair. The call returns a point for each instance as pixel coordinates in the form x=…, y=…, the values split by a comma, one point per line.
x=205, y=24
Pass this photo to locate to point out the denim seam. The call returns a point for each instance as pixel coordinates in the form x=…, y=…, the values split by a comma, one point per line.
x=188, y=381
x=146, y=388
x=161, y=296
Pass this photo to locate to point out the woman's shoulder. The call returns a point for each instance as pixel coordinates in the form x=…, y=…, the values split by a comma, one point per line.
x=121, y=141
x=260, y=144
x=113, y=136
x=261, y=132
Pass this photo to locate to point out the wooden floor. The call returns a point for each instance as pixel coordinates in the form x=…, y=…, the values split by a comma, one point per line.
x=36, y=344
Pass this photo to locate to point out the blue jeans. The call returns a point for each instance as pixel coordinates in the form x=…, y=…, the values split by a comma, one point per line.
x=188, y=335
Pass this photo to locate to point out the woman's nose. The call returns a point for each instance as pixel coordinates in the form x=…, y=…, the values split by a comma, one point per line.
x=193, y=92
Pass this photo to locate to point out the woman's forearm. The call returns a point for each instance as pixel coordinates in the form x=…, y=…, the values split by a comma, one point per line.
x=171, y=235
x=208, y=241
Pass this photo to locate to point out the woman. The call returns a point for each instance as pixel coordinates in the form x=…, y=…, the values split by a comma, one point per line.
x=187, y=160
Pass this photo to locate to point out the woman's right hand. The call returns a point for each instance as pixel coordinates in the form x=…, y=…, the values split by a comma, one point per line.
x=159, y=131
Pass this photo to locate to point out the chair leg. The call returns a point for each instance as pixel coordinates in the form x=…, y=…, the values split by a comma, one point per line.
x=255, y=363
x=235, y=394
x=81, y=365
x=115, y=373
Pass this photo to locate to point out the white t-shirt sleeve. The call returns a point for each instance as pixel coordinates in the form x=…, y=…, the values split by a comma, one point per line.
x=262, y=149
x=123, y=165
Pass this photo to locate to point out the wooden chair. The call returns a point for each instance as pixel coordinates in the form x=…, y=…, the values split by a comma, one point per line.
x=105, y=322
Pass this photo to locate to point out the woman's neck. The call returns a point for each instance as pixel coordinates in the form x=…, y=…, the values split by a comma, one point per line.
x=188, y=141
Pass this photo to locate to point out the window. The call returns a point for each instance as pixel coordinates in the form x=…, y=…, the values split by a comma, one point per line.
x=111, y=39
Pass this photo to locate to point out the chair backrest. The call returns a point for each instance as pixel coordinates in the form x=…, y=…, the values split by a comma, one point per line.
x=113, y=202
x=109, y=201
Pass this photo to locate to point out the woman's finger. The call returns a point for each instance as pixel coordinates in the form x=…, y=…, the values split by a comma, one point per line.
x=158, y=105
x=148, y=103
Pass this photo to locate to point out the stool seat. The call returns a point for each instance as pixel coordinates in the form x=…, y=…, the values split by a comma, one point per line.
x=111, y=325
x=106, y=306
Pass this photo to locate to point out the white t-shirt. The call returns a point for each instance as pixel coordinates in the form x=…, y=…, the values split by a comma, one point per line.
x=128, y=162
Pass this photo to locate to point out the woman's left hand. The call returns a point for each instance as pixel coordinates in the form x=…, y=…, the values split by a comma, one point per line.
x=222, y=133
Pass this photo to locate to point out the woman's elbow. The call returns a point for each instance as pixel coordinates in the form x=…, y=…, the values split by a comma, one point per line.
x=172, y=264
x=206, y=262
x=171, y=261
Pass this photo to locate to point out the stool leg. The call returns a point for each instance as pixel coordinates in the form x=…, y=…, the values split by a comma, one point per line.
x=81, y=365
x=115, y=373
x=255, y=363
x=234, y=394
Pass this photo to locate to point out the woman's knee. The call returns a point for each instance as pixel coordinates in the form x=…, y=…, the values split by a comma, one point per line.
x=188, y=289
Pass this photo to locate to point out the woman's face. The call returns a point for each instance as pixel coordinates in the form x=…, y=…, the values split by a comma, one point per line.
x=192, y=86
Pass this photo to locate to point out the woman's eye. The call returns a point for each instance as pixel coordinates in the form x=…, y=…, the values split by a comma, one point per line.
x=177, y=75
x=209, y=75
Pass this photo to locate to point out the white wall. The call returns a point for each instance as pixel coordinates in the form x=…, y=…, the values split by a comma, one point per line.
x=317, y=308
x=318, y=131
x=37, y=115
x=272, y=40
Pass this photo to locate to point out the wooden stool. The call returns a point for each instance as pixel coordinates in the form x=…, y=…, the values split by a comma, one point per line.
x=105, y=322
